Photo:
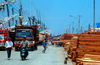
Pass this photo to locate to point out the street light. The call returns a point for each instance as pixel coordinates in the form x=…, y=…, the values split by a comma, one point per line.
x=79, y=27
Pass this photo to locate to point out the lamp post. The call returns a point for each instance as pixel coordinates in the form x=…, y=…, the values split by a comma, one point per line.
x=94, y=18
x=79, y=27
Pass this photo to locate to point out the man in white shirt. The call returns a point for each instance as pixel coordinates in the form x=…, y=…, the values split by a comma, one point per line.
x=9, y=45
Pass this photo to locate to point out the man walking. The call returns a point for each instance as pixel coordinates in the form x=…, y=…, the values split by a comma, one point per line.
x=9, y=45
x=44, y=45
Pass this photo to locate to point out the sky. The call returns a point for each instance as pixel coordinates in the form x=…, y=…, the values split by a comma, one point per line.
x=62, y=15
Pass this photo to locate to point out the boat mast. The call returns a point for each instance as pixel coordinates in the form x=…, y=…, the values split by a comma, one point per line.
x=20, y=13
x=20, y=10
x=8, y=13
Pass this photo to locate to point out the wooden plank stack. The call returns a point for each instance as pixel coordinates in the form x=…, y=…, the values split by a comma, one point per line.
x=70, y=45
x=88, y=50
x=84, y=49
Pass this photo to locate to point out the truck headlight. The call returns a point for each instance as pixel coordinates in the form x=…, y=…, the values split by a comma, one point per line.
x=2, y=44
x=17, y=42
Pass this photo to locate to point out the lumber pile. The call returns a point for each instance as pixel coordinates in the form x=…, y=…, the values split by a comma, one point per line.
x=88, y=50
x=73, y=47
x=70, y=45
x=84, y=49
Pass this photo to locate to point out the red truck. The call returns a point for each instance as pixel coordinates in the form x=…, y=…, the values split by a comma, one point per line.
x=30, y=32
x=4, y=34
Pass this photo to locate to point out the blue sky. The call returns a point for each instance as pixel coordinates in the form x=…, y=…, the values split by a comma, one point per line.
x=55, y=13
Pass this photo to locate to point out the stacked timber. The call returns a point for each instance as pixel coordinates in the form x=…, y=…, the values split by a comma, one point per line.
x=67, y=36
x=88, y=50
x=73, y=47
x=83, y=48
x=64, y=38
x=70, y=45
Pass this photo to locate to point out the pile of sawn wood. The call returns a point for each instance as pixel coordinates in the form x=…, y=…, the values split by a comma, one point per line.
x=84, y=49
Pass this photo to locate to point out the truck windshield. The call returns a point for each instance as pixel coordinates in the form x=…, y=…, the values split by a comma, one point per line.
x=1, y=36
x=24, y=33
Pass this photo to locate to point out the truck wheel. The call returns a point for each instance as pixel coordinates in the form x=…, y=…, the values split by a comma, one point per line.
x=32, y=48
x=22, y=58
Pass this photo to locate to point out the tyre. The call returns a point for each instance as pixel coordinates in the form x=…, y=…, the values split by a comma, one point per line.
x=23, y=58
x=16, y=48
x=32, y=48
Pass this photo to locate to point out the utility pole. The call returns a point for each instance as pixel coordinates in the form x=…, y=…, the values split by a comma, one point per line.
x=94, y=17
x=8, y=13
x=72, y=27
x=69, y=28
x=12, y=14
x=79, y=25
x=16, y=23
x=65, y=30
x=81, y=29
x=20, y=13
x=20, y=10
x=33, y=20
x=89, y=27
x=76, y=30
x=29, y=18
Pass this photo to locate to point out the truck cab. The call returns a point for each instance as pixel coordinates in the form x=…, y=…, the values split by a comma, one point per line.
x=29, y=32
x=4, y=34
